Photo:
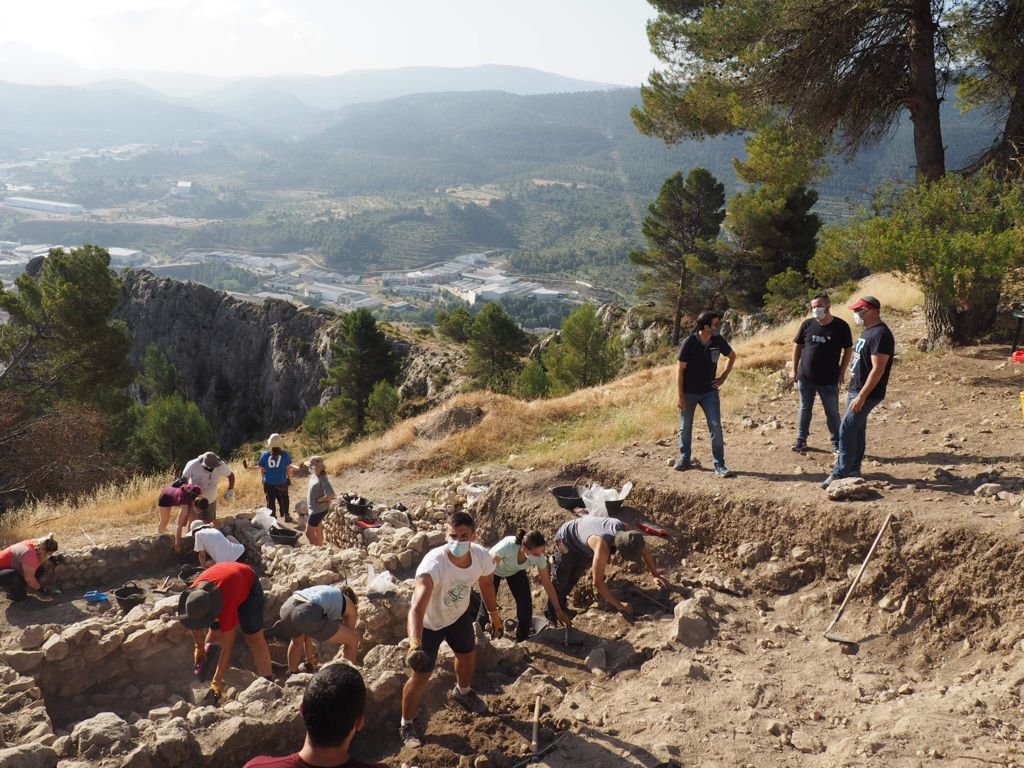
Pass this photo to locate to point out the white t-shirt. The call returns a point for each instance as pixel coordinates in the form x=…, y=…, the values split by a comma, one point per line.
x=452, y=585
x=206, y=479
x=217, y=546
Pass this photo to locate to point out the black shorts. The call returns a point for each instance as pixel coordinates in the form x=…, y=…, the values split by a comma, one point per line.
x=459, y=636
x=250, y=613
x=316, y=518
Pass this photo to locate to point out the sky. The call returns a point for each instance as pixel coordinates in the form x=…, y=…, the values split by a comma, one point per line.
x=602, y=40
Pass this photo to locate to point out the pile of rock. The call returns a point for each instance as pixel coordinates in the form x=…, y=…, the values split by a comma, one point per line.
x=101, y=565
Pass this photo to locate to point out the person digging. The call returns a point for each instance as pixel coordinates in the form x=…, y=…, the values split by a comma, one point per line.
x=223, y=597
x=587, y=543
x=22, y=566
x=440, y=612
x=325, y=613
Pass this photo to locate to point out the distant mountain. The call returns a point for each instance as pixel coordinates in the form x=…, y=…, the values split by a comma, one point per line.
x=271, y=108
x=60, y=117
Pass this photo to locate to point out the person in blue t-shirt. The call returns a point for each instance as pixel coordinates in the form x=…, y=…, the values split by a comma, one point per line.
x=275, y=464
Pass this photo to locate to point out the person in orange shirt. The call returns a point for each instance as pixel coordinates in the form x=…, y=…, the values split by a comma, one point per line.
x=22, y=564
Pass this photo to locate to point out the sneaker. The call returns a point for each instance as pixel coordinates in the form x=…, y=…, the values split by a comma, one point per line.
x=288, y=518
x=828, y=481
x=723, y=471
x=469, y=701
x=407, y=733
x=682, y=465
x=800, y=445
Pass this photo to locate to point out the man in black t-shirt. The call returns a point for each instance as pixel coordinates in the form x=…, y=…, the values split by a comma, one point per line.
x=821, y=352
x=698, y=384
x=869, y=377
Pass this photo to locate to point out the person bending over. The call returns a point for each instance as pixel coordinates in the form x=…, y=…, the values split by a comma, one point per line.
x=324, y=613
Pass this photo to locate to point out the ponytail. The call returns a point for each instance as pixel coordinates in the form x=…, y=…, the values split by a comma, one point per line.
x=532, y=540
x=350, y=593
x=520, y=535
x=47, y=542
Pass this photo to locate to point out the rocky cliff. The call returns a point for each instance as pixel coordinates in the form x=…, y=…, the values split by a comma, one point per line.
x=252, y=368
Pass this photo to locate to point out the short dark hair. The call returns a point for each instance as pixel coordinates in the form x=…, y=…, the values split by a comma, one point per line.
x=823, y=296
x=455, y=519
x=202, y=503
x=707, y=318
x=334, y=700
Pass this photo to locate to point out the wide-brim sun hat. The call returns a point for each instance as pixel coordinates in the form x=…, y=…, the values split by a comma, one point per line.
x=274, y=441
x=199, y=607
x=630, y=544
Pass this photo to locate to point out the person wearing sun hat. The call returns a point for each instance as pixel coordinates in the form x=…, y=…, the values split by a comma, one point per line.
x=212, y=545
x=221, y=599
x=206, y=470
x=275, y=464
x=869, y=379
x=319, y=496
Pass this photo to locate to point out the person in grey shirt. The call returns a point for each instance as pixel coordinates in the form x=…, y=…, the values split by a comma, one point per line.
x=587, y=543
x=319, y=498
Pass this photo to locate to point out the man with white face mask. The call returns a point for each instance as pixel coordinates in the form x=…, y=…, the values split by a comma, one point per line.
x=869, y=378
x=821, y=351
x=440, y=613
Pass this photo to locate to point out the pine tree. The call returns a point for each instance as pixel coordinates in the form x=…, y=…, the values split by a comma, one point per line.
x=584, y=356
x=496, y=346
x=362, y=356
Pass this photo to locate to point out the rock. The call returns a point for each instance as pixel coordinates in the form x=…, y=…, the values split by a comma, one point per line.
x=597, y=660
x=800, y=553
x=806, y=743
x=691, y=626
x=174, y=744
x=23, y=661
x=777, y=728
x=395, y=519
x=850, y=489
x=261, y=689
x=753, y=552
x=32, y=637
x=55, y=648
x=695, y=671
x=106, y=731
x=28, y=756
x=988, y=489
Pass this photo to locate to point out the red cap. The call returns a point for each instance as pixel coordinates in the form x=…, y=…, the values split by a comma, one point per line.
x=866, y=302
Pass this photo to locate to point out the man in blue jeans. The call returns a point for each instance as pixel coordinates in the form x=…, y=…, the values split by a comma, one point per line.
x=869, y=377
x=821, y=351
x=698, y=384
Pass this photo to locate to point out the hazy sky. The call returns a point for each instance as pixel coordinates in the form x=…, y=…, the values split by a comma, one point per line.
x=602, y=40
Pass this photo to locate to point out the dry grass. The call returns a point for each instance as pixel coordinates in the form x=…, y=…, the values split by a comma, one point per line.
x=638, y=407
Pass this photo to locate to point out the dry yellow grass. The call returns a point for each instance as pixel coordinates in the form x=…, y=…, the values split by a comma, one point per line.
x=637, y=407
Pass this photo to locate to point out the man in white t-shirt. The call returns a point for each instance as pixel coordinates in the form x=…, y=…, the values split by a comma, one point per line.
x=440, y=613
x=213, y=545
x=206, y=471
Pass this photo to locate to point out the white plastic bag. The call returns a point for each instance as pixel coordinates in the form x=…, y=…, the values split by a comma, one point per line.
x=382, y=583
x=263, y=518
x=595, y=495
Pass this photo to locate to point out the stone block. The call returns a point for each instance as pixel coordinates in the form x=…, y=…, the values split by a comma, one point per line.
x=28, y=756
x=261, y=690
x=106, y=731
x=753, y=552
x=691, y=625
x=55, y=648
x=32, y=637
x=23, y=661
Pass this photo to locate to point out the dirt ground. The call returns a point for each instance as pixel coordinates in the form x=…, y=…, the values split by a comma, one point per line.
x=937, y=675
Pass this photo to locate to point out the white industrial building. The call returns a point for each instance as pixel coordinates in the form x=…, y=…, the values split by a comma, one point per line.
x=50, y=206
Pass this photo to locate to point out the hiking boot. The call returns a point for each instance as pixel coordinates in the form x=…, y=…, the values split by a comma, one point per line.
x=407, y=733
x=800, y=445
x=288, y=518
x=469, y=701
x=682, y=465
x=723, y=471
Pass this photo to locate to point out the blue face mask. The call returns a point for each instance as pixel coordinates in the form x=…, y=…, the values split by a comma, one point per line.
x=458, y=548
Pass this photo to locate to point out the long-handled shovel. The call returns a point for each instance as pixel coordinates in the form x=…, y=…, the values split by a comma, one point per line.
x=889, y=519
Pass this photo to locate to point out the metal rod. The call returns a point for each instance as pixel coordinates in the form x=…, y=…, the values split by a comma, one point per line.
x=91, y=541
x=535, y=743
x=856, y=579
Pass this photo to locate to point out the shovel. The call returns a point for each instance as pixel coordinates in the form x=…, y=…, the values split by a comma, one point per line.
x=889, y=519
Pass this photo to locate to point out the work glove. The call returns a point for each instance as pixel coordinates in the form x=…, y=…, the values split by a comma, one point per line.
x=199, y=657
x=215, y=693
x=229, y=494
x=497, y=626
x=417, y=658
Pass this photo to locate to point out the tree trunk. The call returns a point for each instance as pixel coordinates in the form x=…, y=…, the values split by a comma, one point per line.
x=939, y=319
x=678, y=320
x=1009, y=153
x=924, y=100
x=952, y=325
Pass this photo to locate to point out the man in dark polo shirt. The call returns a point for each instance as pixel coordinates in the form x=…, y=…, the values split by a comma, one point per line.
x=698, y=384
x=821, y=352
x=869, y=377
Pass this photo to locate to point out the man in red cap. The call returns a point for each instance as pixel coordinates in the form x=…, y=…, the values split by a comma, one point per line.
x=869, y=377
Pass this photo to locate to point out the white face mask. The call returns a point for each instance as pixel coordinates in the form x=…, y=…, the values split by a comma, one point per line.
x=858, y=318
x=458, y=548
x=819, y=312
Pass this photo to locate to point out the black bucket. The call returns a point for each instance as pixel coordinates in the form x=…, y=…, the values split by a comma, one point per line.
x=188, y=573
x=567, y=497
x=358, y=506
x=284, y=536
x=129, y=595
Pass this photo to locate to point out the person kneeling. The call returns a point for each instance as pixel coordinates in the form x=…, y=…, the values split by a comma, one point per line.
x=332, y=710
x=324, y=613
x=212, y=545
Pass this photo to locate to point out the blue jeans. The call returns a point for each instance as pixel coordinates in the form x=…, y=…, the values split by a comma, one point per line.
x=829, y=394
x=853, y=438
x=712, y=408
